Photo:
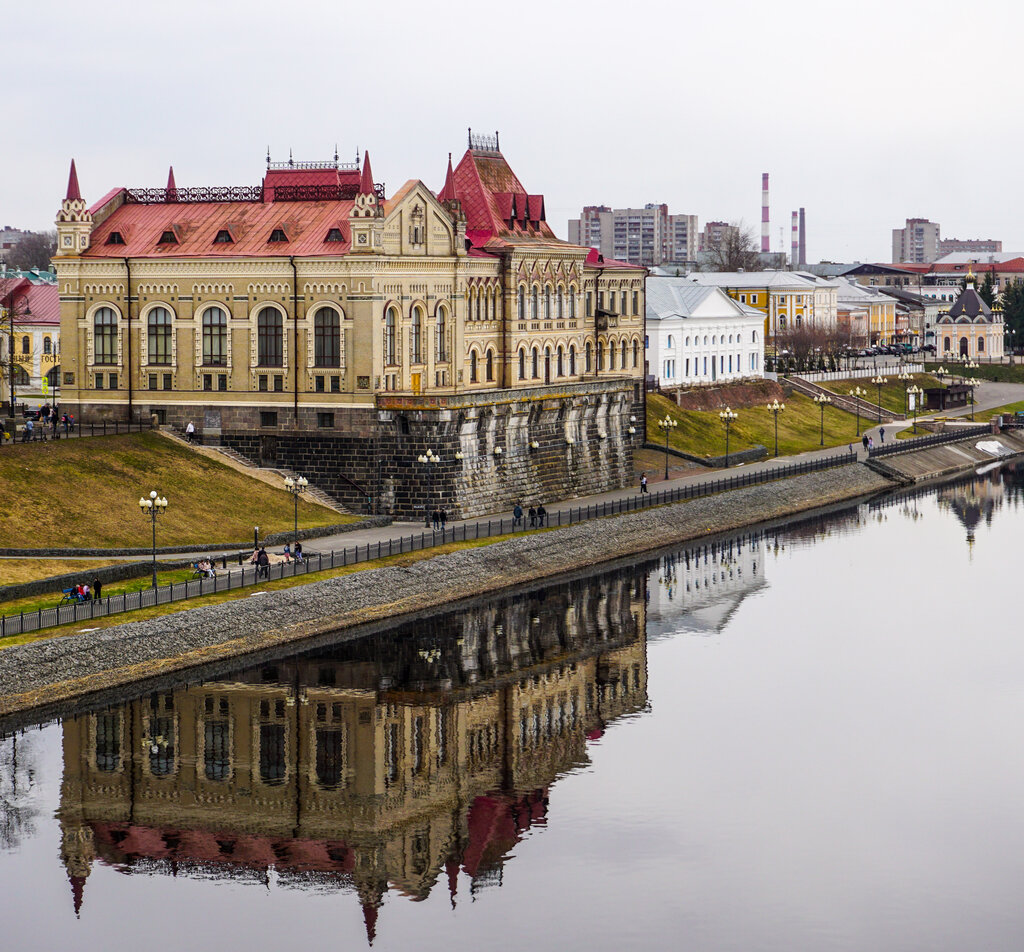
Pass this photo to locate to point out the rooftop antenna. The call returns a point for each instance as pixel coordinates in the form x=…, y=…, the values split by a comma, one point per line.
x=268, y=156
x=335, y=154
x=291, y=161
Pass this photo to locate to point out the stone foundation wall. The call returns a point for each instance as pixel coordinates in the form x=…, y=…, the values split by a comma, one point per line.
x=496, y=449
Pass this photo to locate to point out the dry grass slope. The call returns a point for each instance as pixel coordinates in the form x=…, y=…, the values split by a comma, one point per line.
x=85, y=493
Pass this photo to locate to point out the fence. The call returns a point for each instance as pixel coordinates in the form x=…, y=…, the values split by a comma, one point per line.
x=244, y=576
x=44, y=431
x=934, y=439
x=883, y=369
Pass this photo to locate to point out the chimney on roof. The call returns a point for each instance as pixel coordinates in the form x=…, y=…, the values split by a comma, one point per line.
x=74, y=194
x=765, y=247
x=803, y=239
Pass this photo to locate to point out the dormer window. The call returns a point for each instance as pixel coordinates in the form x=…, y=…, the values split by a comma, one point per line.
x=168, y=238
x=223, y=238
x=334, y=234
x=115, y=238
x=278, y=235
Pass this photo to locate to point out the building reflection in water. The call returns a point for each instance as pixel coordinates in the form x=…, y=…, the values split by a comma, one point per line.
x=973, y=500
x=384, y=763
x=698, y=590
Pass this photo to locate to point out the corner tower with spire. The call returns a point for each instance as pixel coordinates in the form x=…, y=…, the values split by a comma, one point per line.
x=367, y=215
x=74, y=222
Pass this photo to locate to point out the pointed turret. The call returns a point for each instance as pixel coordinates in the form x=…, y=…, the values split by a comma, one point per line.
x=171, y=187
x=74, y=193
x=447, y=194
x=366, y=179
x=370, y=919
x=77, y=893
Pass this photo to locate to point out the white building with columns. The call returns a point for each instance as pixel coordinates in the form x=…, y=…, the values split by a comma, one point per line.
x=697, y=334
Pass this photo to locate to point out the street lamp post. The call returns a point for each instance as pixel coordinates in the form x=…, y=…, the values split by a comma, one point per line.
x=857, y=393
x=905, y=378
x=822, y=399
x=429, y=459
x=296, y=487
x=879, y=381
x=776, y=408
x=153, y=507
x=667, y=425
x=727, y=416
x=915, y=391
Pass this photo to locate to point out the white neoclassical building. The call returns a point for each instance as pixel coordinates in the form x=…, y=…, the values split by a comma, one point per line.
x=697, y=334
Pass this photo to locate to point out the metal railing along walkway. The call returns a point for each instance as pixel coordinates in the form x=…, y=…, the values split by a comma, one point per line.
x=246, y=575
x=934, y=439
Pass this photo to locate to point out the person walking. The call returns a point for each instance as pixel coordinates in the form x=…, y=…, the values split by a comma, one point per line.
x=263, y=564
x=881, y=434
x=54, y=422
x=26, y=434
x=298, y=551
x=190, y=432
x=643, y=482
x=444, y=520
x=67, y=423
x=436, y=518
x=864, y=440
x=517, y=515
x=97, y=588
x=533, y=517
x=542, y=515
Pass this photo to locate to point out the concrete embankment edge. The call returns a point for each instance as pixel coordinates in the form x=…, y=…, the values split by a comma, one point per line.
x=61, y=669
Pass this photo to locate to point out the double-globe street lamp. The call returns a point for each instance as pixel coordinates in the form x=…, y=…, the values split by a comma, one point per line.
x=822, y=399
x=296, y=487
x=857, y=393
x=667, y=425
x=906, y=379
x=153, y=507
x=728, y=417
x=429, y=459
x=915, y=391
x=879, y=381
x=776, y=408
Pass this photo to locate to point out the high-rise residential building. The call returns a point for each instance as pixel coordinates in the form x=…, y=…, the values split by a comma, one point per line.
x=715, y=234
x=646, y=236
x=978, y=246
x=917, y=242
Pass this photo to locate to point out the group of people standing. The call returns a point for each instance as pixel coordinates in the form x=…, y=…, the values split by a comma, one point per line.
x=48, y=416
x=85, y=593
x=537, y=515
x=440, y=519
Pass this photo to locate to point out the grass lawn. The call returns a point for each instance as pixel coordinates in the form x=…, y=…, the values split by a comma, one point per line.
x=85, y=494
x=1002, y=373
x=892, y=391
x=14, y=571
x=701, y=432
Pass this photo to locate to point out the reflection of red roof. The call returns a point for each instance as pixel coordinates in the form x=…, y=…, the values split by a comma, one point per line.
x=496, y=823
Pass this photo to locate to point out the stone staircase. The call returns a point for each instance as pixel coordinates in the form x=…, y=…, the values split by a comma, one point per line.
x=868, y=410
x=272, y=477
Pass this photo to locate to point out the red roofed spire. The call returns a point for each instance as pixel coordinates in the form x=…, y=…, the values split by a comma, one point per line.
x=370, y=920
x=366, y=180
x=448, y=192
x=74, y=194
x=171, y=187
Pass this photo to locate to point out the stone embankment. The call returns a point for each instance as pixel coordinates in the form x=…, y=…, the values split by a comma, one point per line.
x=64, y=668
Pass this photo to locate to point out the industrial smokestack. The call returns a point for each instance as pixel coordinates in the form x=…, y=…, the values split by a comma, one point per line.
x=765, y=247
x=803, y=239
x=794, y=241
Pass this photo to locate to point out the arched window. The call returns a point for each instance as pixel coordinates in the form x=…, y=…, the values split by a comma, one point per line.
x=215, y=337
x=636, y=353
x=472, y=366
x=481, y=304
x=442, y=329
x=600, y=356
x=559, y=367
x=981, y=345
x=547, y=364
x=521, y=303
x=535, y=364
x=47, y=345
x=945, y=345
x=158, y=329
x=490, y=366
x=547, y=303
x=588, y=363
x=104, y=325
x=326, y=337
x=390, y=350
x=714, y=339
x=492, y=304
x=471, y=307
x=270, y=338
x=622, y=353
x=753, y=337
x=705, y=340
x=611, y=355
x=535, y=303
x=572, y=302
x=416, y=336
x=26, y=345
x=21, y=376
x=561, y=304
x=668, y=343
x=572, y=360
x=522, y=364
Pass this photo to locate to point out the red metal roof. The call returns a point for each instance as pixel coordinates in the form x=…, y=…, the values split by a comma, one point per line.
x=33, y=303
x=74, y=193
x=197, y=224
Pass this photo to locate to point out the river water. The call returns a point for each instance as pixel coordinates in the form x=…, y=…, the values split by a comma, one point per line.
x=804, y=738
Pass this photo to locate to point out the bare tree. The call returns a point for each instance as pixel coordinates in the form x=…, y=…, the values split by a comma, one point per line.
x=35, y=250
x=734, y=250
x=19, y=804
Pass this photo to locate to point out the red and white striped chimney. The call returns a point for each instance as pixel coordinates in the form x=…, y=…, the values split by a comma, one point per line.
x=794, y=238
x=765, y=247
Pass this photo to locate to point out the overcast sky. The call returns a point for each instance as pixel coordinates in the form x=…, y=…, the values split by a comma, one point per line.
x=863, y=113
